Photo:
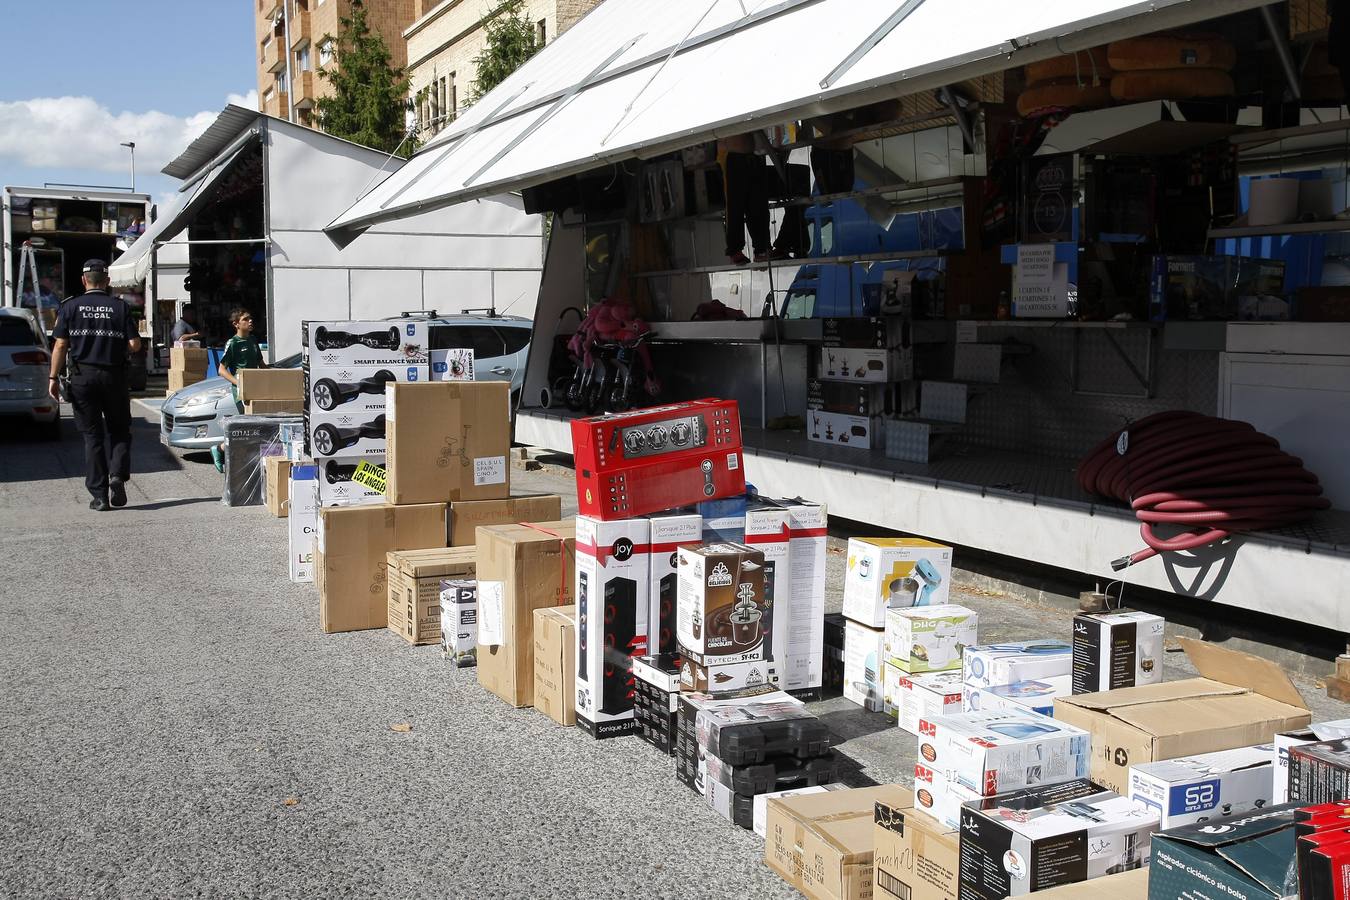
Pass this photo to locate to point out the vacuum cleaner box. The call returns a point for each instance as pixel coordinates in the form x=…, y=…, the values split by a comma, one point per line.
x=864, y=655
x=927, y=697
x=1117, y=649
x=303, y=521
x=555, y=670
x=722, y=603
x=988, y=665
x=990, y=753
x=821, y=844
x=1022, y=696
x=929, y=638
x=612, y=583
x=916, y=856
x=728, y=678
x=1037, y=838
x=885, y=573
x=459, y=621
x=337, y=487
x=1240, y=700
x=414, y=611
x=1206, y=787
x=1246, y=859
x=670, y=532
x=448, y=441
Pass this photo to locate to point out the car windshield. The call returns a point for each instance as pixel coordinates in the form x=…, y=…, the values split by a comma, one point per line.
x=289, y=362
x=15, y=332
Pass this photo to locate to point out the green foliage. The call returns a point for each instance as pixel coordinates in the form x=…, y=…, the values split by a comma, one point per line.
x=511, y=40
x=369, y=100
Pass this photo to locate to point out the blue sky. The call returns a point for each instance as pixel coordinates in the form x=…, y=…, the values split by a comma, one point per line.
x=79, y=77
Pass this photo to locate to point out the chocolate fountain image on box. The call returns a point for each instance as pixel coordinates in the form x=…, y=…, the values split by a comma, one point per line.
x=722, y=613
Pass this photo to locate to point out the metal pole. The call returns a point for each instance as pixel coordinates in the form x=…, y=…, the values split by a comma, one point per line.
x=290, y=85
x=131, y=145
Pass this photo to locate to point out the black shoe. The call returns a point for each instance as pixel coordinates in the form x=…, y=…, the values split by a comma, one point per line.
x=98, y=504
x=118, y=493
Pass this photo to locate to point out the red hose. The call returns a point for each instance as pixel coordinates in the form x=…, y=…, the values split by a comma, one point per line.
x=1217, y=476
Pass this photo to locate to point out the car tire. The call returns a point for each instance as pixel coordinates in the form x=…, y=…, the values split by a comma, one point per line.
x=326, y=440
x=326, y=394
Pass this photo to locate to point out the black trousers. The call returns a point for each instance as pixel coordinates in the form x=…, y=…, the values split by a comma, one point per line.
x=745, y=180
x=102, y=404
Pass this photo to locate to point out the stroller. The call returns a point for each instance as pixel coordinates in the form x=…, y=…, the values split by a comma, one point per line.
x=610, y=358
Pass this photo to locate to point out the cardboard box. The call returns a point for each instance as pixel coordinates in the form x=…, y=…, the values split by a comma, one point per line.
x=277, y=485
x=459, y=621
x=921, y=697
x=886, y=573
x=722, y=603
x=729, y=678
x=929, y=638
x=555, y=671
x=336, y=487
x=1023, y=696
x=1048, y=836
x=840, y=430
x=1285, y=740
x=1117, y=649
x=989, y=665
x=520, y=569
x=612, y=572
x=1319, y=772
x=271, y=384
x=800, y=655
x=992, y=753
x=467, y=516
x=856, y=365
x=415, y=589
x=916, y=857
x=1245, y=860
x=1240, y=700
x=447, y=441
x=303, y=521
x=821, y=844
x=890, y=689
x=351, y=558
x=767, y=530
x=761, y=802
x=864, y=655
x=178, y=379
x=1132, y=885
x=656, y=706
x=669, y=532
x=1205, y=787
x=274, y=407
x=189, y=359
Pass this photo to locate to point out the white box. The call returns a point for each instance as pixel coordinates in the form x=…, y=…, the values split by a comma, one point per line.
x=1207, y=786
x=1318, y=731
x=859, y=366
x=894, y=573
x=840, y=430
x=761, y=810
x=1116, y=649
x=612, y=572
x=722, y=605
x=1022, y=696
x=927, y=697
x=303, y=521
x=991, y=753
x=366, y=344
x=938, y=797
x=452, y=365
x=801, y=660
x=767, y=530
x=929, y=638
x=669, y=532
x=730, y=678
x=459, y=621
x=987, y=665
x=864, y=654
x=890, y=690
x=336, y=487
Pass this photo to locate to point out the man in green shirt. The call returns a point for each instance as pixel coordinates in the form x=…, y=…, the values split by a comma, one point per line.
x=241, y=352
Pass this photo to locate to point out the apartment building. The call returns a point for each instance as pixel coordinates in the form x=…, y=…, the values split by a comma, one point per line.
x=292, y=48
x=446, y=36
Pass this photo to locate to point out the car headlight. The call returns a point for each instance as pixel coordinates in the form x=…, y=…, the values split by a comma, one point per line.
x=209, y=398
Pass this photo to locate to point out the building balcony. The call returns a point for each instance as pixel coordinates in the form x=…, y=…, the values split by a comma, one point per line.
x=300, y=33
x=278, y=104
x=304, y=88
x=273, y=57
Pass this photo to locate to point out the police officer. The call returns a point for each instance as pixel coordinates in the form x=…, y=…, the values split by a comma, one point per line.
x=96, y=332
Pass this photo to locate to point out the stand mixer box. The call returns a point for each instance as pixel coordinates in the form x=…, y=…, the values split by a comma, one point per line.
x=894, y=573
x=722, y=603
x=929, y=638
x=1116, y=649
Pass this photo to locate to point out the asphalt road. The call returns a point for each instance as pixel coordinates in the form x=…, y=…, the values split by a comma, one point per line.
x=174, y=724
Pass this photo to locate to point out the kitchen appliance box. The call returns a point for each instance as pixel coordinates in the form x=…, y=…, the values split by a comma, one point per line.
x=927, y=697
x=821, y=844
x=722, y=603
x=414, y=610
x=890, y=690
x=840, y=429
x=991, y=753
x=894, y=572
x=1240, y=700
x=459, y=621
x=854, y=365
x=1319, y=772
x=729, y=678
x=989, y=665
x=865, y=400
x=271, y=384
x=555, y=673
x=1117, y=649
x=1286, y=740
x=520, y=569
x=669, y=532
x=1037, y=838
x=612, y=580
x=1205, y=787
x=302, y=523
x=915, y=857
x=938, y=796
x=351, y=558
x=1024, y=696
x=855, y=332
x=277, y=485
x=448, y=441
x=336, y=487
x=929, y=638
x=1247, y=859
x=864, y=656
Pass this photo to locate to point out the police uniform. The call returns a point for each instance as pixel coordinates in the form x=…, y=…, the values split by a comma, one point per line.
x=98, y=327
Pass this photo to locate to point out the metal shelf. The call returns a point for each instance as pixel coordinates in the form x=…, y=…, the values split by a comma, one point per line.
x=797, y=263
x=1292, y=228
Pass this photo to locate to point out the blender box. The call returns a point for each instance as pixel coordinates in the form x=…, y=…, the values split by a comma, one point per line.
x=722, y=602
x=669, y=532
x=886, y=573
x=1042, y=837
x=612, y=570
x=986, y=665
x=726, y=678
x=303, y=521
x=929, y=638
x=1116, y=649
x=890, y=690
x=1285, y=740
x=990, y=753
x=1207, y=787
x=1022, y=696
x=864, y=655
x=1245, y=859
x=928, y=696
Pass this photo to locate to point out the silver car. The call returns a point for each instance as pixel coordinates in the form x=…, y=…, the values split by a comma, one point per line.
x=25, y=359
x=192, y=419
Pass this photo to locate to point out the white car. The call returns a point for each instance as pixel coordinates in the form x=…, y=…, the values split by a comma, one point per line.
x=25, y=363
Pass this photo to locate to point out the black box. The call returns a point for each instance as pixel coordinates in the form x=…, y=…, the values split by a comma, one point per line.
x=248, y=440
x=1320, y=772
x=656, y=700
x=832, y=681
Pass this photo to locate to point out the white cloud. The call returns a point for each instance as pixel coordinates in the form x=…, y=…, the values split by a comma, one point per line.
x=79, y=133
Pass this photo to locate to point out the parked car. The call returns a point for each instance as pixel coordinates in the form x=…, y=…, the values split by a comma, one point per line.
x=192, y=419
x=25, y=362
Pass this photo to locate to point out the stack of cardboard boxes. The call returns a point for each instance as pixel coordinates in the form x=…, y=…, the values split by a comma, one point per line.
x=271, y=391
x=187, y=365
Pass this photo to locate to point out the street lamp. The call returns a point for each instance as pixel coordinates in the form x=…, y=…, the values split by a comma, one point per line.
x=131, y=145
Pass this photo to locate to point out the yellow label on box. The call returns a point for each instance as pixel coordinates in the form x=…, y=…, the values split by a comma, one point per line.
x=370, y=475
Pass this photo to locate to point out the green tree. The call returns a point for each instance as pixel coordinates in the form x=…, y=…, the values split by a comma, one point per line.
x=511, y=40
x=369, y=102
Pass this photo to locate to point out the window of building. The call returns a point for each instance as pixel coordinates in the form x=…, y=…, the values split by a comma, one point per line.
x=454, y=97
x=443, y=89
x=325, y=52
x=540, y=33
x=302, y=59
x=268, y=95
x=281, y=81
x=434, y=102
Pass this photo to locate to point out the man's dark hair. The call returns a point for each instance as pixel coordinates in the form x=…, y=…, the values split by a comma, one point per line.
x=238, y=313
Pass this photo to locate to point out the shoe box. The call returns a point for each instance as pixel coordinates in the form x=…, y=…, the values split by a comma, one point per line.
x=1206, y=787
x=656, y=705
x=459, y=621
x=864, y=656
x=1021, y=696
x=337, y=484
x=1117, y=649
x=612, y=584
x=990, y=753
x=722, y=603
x=885, y=573
x=929, y=638
x=730, y=678
x=302, y=522
x=669, y=532
x=989, y=665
